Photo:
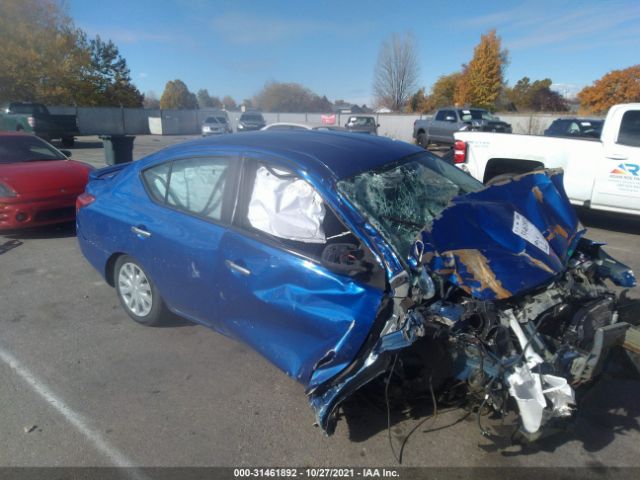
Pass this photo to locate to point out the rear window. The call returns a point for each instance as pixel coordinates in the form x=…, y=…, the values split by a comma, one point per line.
x=630, y=129
x=252, y=117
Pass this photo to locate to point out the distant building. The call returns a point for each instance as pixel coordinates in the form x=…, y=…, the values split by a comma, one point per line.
x=382, y=110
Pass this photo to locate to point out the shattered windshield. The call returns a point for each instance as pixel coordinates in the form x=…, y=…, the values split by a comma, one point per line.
x=404, y=197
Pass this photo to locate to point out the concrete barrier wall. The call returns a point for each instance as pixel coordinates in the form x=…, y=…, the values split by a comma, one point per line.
x=101, y=121
x=135, y=121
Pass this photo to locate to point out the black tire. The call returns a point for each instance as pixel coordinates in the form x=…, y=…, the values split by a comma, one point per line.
x=147, y=306
x=422, y=140
x=67, y=142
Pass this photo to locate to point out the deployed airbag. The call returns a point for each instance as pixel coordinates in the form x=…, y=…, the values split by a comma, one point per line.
x=286, y=206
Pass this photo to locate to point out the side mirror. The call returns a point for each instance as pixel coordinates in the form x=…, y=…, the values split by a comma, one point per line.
x=345, y=259
x=66, y=153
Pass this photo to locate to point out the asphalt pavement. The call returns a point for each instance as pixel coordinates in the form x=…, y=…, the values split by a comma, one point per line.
x=83, y=385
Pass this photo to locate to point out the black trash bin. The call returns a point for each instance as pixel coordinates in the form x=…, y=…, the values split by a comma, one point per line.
x=117, y=148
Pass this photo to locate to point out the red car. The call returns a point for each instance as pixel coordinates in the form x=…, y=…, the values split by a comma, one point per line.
x=38, y=183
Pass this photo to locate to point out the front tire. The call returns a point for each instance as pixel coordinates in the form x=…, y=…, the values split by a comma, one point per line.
x=138, y=295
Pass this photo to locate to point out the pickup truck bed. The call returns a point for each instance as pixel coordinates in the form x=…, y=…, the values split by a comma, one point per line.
x=35, y=118
x=603, y=175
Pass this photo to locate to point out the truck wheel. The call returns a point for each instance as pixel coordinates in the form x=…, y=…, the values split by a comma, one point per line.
x=422, y=140
x=67, y=142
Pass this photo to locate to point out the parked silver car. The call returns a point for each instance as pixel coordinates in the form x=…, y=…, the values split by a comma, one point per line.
x=215, y=125
x=362, y=124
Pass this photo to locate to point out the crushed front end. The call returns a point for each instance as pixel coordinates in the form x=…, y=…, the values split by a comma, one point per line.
x=503, y=302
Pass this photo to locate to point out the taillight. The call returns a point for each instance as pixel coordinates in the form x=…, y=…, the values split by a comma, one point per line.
x=459, y=152
x=32, y=122
x=83, y=200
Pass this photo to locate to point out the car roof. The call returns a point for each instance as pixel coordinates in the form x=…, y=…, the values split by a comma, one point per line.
x=344, y=154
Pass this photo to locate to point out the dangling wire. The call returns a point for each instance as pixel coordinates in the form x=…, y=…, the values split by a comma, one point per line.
x=386, y=398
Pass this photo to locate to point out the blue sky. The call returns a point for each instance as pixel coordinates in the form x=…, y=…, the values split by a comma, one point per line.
x=234, y=47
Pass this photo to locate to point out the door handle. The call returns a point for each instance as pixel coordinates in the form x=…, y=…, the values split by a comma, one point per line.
x=237, y=268
x=141, y=232
x=617, y=156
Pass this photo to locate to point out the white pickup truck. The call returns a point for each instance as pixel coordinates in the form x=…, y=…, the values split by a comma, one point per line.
x=603, y=175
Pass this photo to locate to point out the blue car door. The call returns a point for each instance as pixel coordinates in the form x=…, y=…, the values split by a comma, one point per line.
x=177, y=233
x=277, y=294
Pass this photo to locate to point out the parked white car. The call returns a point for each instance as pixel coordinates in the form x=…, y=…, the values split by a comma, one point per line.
x=286, y=126
x=602, y=175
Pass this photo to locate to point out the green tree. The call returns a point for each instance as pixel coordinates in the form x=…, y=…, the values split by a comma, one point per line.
x=617, y=86
x=42, y=55
x=443, y=91
x=290, y=97
x=535, y=96
x=207, y=101
x=176, y=95
x=229, y=103
x=45, y=58
x=108, y=82
x=418, y=102
x=482, y=79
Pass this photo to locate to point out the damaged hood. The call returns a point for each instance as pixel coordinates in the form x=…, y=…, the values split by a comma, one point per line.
x=505, y=239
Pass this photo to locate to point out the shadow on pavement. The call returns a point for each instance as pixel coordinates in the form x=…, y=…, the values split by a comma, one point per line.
x=63, y=230
x=609, y=221
x=87, y=144
x=9, y=245
x=606, y=409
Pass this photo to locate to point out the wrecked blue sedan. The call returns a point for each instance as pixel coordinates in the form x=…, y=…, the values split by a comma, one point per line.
x=344, y=259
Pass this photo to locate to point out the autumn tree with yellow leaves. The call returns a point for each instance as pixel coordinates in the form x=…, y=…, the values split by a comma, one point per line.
x=482, y=78
x=44, y=57
x=617, y=86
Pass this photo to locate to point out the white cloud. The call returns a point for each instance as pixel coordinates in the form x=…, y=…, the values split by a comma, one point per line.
x=124, y=36
x=589, y=25
x=249, y=29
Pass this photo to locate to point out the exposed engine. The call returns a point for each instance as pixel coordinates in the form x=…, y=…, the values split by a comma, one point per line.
x=529, y=352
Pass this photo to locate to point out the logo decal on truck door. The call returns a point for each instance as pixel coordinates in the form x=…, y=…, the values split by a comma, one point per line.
x=627, y=169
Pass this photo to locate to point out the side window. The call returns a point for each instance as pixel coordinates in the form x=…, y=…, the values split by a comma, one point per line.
x=630, y=129
x=286, y=207
x=157, y=180
x=197, y=186
x=441, y=115
x=290, y=212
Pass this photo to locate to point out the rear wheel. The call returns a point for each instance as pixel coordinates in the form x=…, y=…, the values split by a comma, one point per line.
x=137, y=294
x=422, y=140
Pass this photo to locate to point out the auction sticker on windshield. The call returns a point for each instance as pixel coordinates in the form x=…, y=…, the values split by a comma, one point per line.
x=528, y=231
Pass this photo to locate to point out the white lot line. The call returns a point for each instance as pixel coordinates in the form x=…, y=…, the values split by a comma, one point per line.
x=73, y=417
